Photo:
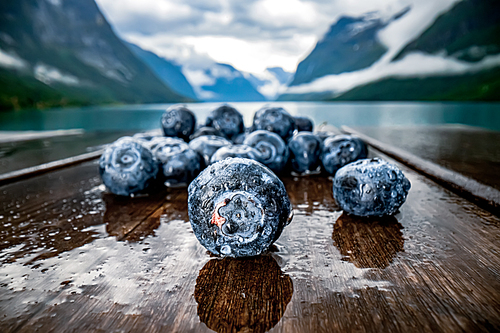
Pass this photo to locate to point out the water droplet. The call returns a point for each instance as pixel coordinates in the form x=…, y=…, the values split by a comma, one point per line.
x=226, y=249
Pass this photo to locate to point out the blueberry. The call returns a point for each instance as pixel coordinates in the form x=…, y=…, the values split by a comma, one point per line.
x=242, y=151
x=275, y=120
x=238, y=139
x=303, y=124
x=227, y=120
x=305, y=149
x=178, y=121
x=238, y=207
x=205, y=130
x=341, y=150
x=127, y=167
x=180, y=164
x=370, y=187
x=273, y=150
x=207, y=145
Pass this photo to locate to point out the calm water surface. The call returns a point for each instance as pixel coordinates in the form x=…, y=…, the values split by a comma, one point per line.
x=143, y=117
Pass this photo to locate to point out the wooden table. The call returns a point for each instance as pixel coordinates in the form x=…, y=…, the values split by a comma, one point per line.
x=77, y=259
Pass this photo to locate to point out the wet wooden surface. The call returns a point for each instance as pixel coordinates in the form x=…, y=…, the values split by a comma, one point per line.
x=471, y=151
x=77, y=259
x=16, y=155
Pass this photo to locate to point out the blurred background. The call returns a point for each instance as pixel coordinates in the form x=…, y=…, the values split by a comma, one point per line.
x=84, y=52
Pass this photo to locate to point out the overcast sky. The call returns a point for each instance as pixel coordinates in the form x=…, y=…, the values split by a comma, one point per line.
x=251, y=35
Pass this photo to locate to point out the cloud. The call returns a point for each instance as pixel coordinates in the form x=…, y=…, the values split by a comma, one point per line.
x=413, y=65
x=11, y=60
x=251, y=35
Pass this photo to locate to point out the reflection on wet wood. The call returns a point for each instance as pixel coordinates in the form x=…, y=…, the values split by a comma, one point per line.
x=357, y=238
x=75, y=258
x=242, y=295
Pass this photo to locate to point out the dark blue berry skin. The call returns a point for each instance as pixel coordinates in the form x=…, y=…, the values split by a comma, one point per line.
x=207, y=145
x=127, y=167
x=179, y=164
x=305, y=149
x=303, y=124
x=180, y=169
x=273, y=150
x=178, y=121
x=275, y=120
x=242, y=151
x=204, y=131
x=238, y=207
x=370, y=187
x=341, y=150
x=227, y=120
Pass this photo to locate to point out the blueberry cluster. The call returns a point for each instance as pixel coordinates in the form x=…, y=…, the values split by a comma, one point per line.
x=237, y=205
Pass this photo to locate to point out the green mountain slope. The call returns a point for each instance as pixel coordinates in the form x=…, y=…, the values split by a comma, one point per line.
x=482, y=86
x=469, y=31
x=72, y=56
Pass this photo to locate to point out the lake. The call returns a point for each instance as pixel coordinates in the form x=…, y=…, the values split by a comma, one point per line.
x=143, y=117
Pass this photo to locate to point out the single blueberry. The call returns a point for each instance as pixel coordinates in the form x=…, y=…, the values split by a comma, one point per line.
x=207, y=145
x=178, y=121
x=242, y=151
x=275, y=120
x=303, y=124
x=180, y=164
x=273, y=150
x=205, y=130
x=127, y=167
x=341, y=150
x=227, y=120
x=238, y=207
x=305, y=149
x=370, y=187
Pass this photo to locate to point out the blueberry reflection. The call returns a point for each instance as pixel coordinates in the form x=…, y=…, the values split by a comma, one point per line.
x=368, y=242
x=242, y=295
x=310, y=193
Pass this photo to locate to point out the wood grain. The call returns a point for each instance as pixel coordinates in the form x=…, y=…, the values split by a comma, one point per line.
x=134, y=265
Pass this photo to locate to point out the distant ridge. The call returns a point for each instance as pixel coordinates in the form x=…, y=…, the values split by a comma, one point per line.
x=57, y=53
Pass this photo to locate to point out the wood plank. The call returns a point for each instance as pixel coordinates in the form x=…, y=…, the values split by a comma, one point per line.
x=17, y=155
x=405, y=142
x=435, y=266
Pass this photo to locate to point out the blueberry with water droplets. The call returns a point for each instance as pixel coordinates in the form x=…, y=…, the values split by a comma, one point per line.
x=370, y=187
x=227, y=120
x=179, y=164
x=303, y=124
x=341, y=150
x=127, y=167
x=305, y=149
x=273, y=150
x=207, y=145
x=178, y=121
x=238, y=207
x=242, y=151
x=275, y=120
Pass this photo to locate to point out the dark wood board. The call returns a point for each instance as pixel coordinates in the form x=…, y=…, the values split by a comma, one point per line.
x=16, y=155
x=471, y=151
x=76, y=259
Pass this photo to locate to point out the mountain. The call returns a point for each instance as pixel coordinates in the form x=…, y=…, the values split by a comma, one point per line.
x=271, y=82
x=469, y=31
x=55, y=52
x=481, y=86
x=351, y=44
x=218, y=82
x=167, y=71
x=456, y=57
